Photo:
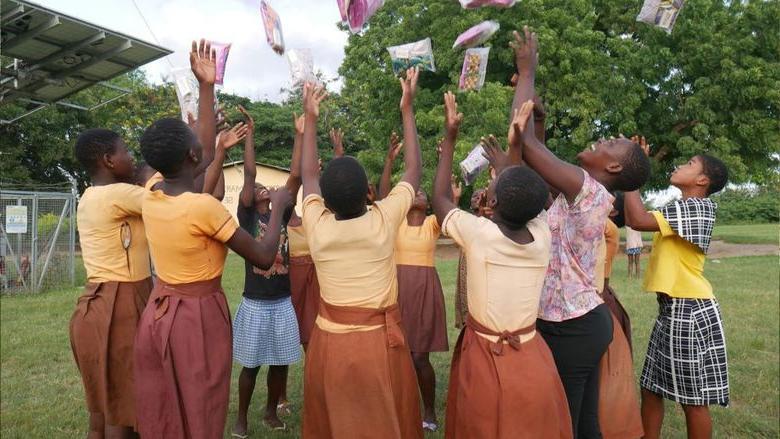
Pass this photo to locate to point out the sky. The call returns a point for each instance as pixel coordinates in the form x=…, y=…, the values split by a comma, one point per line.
x=253, y=69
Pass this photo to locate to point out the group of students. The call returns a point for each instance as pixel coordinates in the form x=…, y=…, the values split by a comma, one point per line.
x=545, y=346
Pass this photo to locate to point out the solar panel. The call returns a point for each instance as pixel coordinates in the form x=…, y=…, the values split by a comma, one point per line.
x=56, y=55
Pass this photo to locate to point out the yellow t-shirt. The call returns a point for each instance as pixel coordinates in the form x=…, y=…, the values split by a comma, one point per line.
x=296, y=238
x=676, y=266
x=354, y=258
x=187, y=235
x=504, y=278
x=153, y=180
x=416, y=245
x=109, y=219
x=612, y=240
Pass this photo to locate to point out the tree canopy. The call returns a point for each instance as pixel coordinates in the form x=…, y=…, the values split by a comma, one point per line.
x=712, y=85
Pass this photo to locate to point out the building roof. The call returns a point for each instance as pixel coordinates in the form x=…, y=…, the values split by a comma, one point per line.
x=265, y=165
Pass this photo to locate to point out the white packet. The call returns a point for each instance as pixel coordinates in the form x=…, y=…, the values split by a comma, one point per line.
x=301, y=67
x=419, y=53
x=660, y=13
x=472, y=76
x=187, y=91
x=473, y=165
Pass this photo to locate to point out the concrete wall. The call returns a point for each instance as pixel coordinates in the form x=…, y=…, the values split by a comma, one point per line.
x=269, y=176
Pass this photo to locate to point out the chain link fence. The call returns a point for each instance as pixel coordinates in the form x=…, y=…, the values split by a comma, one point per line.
x=37, y=240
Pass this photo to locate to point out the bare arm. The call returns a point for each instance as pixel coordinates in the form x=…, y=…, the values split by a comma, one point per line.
x=637, y=217
x=203, y=61
x=310, y=168
x=526, y=58
x=294, y=180
x=393, y=149
x=219, y=191
x=247, y=196
x=227, y=140
x=442, y=184
x=412, y=157
x=263, y=254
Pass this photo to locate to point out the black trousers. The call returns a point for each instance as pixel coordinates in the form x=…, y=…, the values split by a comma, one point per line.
x=577, y=346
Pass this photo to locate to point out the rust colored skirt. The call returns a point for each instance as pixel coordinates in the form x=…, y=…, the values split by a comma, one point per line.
x=461, y=296
x=360, y=384
x=102, y=333
x=619, y=415
x=512, y=394
x=183, y=359
x=421, y=302
x=305, y=289
x=614, y=305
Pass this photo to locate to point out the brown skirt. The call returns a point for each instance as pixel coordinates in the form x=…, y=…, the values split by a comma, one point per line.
x=305, y=290
x=358, y=386
x=516, y=394
x=102, y=333
x=183, y=359
x=619, y=415
x=461, y=297
x=614, y=305
x=421, y=302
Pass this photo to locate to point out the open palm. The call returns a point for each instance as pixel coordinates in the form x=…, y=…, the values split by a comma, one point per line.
x=203, y=61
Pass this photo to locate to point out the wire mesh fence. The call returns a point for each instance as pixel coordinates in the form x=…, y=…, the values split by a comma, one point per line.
x=37, y=240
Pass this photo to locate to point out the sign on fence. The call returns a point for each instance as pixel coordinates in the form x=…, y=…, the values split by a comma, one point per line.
x=15, y=219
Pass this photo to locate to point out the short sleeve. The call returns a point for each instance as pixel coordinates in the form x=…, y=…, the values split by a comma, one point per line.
x=592, y=197
x=663, y=224
x=396, y=205
x=461, y=226
x=312, y=210
x=156, y=178
x=432, y=226
x=127, y=199
x=210, y=218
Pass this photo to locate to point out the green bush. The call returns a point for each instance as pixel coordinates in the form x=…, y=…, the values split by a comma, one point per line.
x=742, y=206
x=47, y=223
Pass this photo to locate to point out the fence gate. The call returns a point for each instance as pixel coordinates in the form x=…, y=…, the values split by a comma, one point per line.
x=37, y=240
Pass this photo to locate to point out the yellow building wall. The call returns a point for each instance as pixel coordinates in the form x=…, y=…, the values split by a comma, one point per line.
x=234, y=180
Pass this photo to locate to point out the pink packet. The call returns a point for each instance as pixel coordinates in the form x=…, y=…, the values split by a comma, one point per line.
x=273, y=28
x=476, y=35
x=359, y=11
x=343, y=8
x=472, y=4
x=223, y=50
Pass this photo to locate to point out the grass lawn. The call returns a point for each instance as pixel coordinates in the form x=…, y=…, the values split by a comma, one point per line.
x=42, y=394
x=734, y=234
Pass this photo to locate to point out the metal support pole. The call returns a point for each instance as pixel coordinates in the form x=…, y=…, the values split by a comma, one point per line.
x=53, y=244
x=34, y=243
x=72, y=236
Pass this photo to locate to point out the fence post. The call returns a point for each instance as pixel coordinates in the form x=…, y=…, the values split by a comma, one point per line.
x=72, y=239
x=34, y=243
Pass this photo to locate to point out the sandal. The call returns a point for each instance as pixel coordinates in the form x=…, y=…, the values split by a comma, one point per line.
x=282, y=427
x=284, y=409
x=430, y=426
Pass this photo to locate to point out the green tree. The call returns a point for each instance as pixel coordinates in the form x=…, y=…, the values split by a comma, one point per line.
x=713, y=85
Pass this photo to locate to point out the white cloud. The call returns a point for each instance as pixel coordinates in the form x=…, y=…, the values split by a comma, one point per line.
x=253, y=70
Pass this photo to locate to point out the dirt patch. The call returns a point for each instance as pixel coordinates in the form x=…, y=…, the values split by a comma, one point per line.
x=448, y=250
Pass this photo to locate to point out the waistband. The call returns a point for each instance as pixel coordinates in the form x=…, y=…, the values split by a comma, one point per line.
x=512, y=338
x=163, y=290
x=301, y=260
x=390, y=317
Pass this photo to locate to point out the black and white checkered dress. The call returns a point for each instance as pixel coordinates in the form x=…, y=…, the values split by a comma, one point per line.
x=265, y=332
x=686, y=356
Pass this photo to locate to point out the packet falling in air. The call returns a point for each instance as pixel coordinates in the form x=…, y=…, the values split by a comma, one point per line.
x=472, y=76
x=419, y=53
x=358, y=12
x=223, y=50
x=472, y=4
x=476, y=35
x=273, y=27
x=661, y=13
x=473, y=165
x=301, y=67
x=186, y=86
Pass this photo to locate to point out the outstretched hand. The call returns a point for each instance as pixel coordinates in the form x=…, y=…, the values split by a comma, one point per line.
x=280, y=198
x=299, y=122
x=229, y=138
x=313, y=95
x=526, y=51
x=520, y=122
x=409, y=88
x=250, y=123
x=452, y=118
x=394, y=147
x=642, y=142
x=337, y=139
x=457, y=188
x=494, y=153
x=203, y=61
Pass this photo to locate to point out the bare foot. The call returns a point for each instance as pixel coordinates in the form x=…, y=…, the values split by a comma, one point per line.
x=240, y=429
x=273, y=422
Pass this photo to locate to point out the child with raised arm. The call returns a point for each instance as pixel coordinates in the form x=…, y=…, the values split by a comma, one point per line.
x=359, y=380
x=573, y=318
x=503, y=382
x=116, y=258
x=182, y=352
x=686, y=356
x=634, y=247
x=265, y=330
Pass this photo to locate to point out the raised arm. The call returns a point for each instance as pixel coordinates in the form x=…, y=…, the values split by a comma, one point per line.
x=526, y=58
x=247, y=196
x=393, y=149
x=412, y=157
x=294, y=180
x=310, y=168
x=564, y=177
x=263, y=254
x=442, y=184
x=337, y=140
x=227, y=139
x=203, y=61
x=637, y=217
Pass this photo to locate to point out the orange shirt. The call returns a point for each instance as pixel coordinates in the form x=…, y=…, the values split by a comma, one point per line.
x=612, y=238
x=354, y=258
x=111, y=233
x=416, y=245
x=187, y=235
x=296, y=236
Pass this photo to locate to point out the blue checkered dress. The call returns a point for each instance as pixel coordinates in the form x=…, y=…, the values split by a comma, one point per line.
x=265, y=332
